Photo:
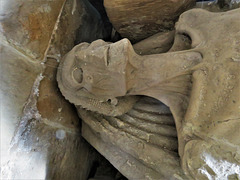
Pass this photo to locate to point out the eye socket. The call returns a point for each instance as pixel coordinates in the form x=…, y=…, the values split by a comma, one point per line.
x=77, y=74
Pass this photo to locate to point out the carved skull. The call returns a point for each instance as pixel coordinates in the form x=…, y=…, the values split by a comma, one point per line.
x=201, y=86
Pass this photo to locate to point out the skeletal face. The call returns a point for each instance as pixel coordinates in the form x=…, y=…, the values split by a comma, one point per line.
x=200, y=85
x=99, y=68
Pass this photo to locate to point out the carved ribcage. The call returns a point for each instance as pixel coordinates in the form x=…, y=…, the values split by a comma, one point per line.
x=146, y=133
x=150, y=121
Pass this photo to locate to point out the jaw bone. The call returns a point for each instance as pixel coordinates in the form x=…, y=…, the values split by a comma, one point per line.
x=200, y=85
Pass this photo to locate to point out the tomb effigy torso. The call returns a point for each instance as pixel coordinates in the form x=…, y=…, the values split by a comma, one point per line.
x=109, y=82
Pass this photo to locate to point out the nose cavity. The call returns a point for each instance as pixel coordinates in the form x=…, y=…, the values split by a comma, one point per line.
x=182, y=41
x=77, y=75
x=193, y=23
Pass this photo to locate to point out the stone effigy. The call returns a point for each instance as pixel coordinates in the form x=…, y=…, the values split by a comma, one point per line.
x=109, y=82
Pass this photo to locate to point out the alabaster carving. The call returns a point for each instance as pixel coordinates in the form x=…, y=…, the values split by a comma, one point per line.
x=198, y=136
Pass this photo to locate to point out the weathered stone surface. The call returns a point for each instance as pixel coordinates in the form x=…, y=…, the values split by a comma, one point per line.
x=200, y=85
x=139, y=19
x=47, y=143
x=28, y=25
x=229, y=4
x=92, y=26
x=81, y=22
x=158, y=43
x=51, y=106
x=45, y=150
x=18, y=74
x=218, y=6
x=101, y=9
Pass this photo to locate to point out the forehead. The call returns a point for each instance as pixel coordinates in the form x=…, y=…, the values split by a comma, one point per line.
x=101, y=56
